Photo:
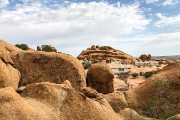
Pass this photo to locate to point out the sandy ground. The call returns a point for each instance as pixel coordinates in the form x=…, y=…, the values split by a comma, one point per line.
x=118, y=83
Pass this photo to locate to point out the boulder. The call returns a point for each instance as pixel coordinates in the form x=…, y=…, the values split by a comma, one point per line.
x=52, y=67
x=100, y=77
x=4, y=55
x=145, y=57
x=49, y=101
x=117, y=101
x=159, y=96
x=9, y=76
x=90, y=92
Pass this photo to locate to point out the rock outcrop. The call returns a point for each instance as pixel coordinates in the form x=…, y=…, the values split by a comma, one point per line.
x=52, y=67
x=100, y=53
x=9, y=76
x=8, y=47
x=145, y=57
x=49, y=101
x=100, y=77
x=159, y=96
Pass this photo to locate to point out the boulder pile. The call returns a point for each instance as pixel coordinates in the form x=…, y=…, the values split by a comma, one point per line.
x=105, y=53
x=49, y=101
x=52, y=86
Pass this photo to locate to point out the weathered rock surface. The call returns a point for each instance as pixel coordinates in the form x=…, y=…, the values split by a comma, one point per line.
x=130, y=114
x=99, y=53
x=9, y=76
x=117, y=101
x=159, y=96
x=176, y=117
x=5, y=48
x=8, y=47
x=100, y=77
x=49, y=101
x=145, y=57
x=38, y=67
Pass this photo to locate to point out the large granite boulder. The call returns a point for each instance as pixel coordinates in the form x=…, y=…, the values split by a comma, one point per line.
x=49, y=101
x=9, y=76
x=52, y=67
x=100, y=77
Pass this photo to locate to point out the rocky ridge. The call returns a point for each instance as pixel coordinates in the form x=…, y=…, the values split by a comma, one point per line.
x=100, y=53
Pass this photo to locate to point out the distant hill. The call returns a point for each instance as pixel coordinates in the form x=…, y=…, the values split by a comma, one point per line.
x=107, y=53
x=168, y=57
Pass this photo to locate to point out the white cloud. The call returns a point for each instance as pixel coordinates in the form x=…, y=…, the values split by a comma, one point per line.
x=151, y=1
x=173, y=21
x=155, y=44
x=170, y=2
x=163, y=2
x=70, y=27
x=4, y=3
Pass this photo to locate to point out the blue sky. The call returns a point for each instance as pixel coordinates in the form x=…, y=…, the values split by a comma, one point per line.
x=133, y=26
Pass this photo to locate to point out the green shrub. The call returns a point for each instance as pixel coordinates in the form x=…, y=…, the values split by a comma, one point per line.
x=162, y=104
x=86, y=64
x=22, y=46
x=48, y=48
x=149, y=74
x=135, y=75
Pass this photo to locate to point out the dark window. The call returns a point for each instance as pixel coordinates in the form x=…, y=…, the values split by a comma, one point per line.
x=121, y=69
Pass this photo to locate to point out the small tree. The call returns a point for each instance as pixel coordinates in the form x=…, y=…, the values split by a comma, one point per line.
x=123, y=76
x=22, y=46
x=48, y=48
x=135, y=75
x=39, y=48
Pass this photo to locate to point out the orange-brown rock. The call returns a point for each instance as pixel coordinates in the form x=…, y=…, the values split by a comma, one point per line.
x=49, y=101
x=53, y=67
x=5, y=48
x=117, y=101
x=176, y=117
x=130, y=114
x=145, y=57
x=159, y=96
x=9, y=47
x=100, y=77
x=9, y=76
x=99, y=53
